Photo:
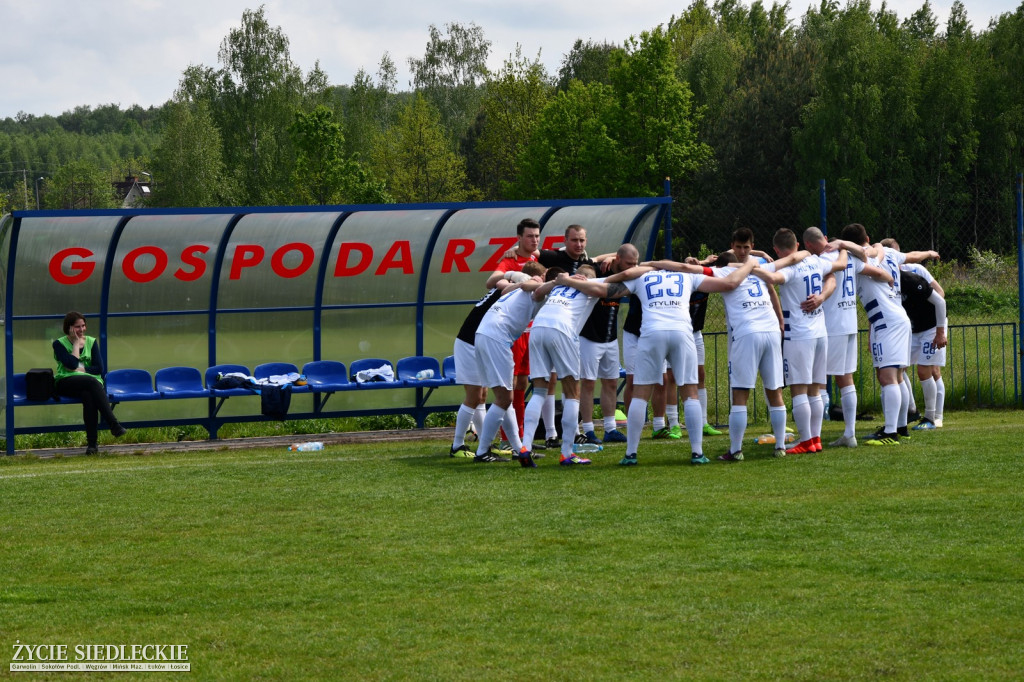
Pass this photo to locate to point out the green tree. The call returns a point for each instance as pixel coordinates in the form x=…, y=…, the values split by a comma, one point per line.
x=416, y=158
x=451, y=73
x=515, y=95
x=78, y=185
x=323, y=173
x=587, y=62
x=188, y=162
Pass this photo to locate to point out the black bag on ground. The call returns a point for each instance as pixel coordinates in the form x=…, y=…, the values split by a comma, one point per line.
x=39, y=384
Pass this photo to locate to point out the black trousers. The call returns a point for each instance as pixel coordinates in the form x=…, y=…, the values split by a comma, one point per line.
x=93, y=395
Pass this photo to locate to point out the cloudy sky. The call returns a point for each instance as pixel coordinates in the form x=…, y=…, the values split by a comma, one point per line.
x=59, y=54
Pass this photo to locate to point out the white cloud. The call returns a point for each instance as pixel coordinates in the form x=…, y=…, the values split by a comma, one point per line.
x=61, y=54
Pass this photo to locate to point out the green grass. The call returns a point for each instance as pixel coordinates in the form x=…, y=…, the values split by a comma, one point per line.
x=394, y=561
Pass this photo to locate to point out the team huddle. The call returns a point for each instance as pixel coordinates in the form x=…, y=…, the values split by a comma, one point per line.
x=552, y=316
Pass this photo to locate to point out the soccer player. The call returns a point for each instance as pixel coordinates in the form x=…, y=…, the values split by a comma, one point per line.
x=803, y=285
x=599, y=351
x=473, y=405
x=525, y=251
x=498, y=330
x=889, y=327
x=555, y=355
x=666, y=334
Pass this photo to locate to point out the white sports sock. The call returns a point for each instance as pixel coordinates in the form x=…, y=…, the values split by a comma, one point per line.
x=672, y=415
x=531, y=416
x=548, y=414
x=492, y=421
x=702, y=396
x=694, y=425
x=802, y=417
x=890, y=406
x=635, y=418
x=929, y=389
x=912, y=405
x=737, y=427
x=585, y=426
x=906, y=398
x=848, y=396
x=817, y=414
x=777, y=416
x=570, y=419
x=478, y=418
x=609, y=423
x=511, y=424
x=940, y=397
x=659, y=422
x=463, y=418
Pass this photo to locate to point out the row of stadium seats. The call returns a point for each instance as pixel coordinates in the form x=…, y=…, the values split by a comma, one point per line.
x=322, y=377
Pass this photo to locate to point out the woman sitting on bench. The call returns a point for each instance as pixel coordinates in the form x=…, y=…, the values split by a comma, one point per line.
x=79, y=375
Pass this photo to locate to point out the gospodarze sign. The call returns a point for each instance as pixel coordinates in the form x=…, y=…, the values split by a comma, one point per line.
x=99, y=658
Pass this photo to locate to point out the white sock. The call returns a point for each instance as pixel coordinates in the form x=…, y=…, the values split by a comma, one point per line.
x=737, y=427
x=635, y=418
x=548, y=414
x=940, y=397
x=802, y=417
x=531, y=416
x=691, y=413
x=906, y=398
x=585, y=427
x=929, y=389
x=570, y=419
x=817, y=414
x=890, y=406
x=609, y=423
x=848, y=396
x=511, y=425
x=912, y=405
x=777, y=415
x=659, y=422
x=478, y=418
x=492, y=421
x=672, y=414
x=463, y=418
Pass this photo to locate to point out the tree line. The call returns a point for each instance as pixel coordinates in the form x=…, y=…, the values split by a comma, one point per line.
x=916, y=128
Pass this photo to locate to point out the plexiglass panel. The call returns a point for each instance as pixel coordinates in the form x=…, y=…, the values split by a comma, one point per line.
x=272, y=260
x=165, y=262
x=60, y=264
x=253, y=338
x=606, y=226
x=378, y=256
x=156, y=341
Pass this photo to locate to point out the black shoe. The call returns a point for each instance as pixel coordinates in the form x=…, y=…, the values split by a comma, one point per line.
x=913, y=416
x=117, y=430
x=903, y=432
x=92, y=450
x=490, y=457
x=552, y=444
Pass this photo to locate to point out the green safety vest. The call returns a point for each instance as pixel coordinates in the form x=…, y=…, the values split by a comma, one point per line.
x=85, y=358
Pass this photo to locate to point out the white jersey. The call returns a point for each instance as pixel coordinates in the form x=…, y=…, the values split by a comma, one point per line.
x=748, y=307
x=665, y=299
x=882, y=303
x=566, y=309
x=919, y=270
x=802, y=280
x=509, y=317
x=841, y=307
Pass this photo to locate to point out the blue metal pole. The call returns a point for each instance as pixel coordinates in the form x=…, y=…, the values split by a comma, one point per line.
x=668, y=221
x=822, y=208
x=1020, y=269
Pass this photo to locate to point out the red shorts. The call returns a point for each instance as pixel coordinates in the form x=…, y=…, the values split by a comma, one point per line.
x=521, y=354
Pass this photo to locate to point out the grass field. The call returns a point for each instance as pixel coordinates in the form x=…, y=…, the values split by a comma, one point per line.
x=394, y=561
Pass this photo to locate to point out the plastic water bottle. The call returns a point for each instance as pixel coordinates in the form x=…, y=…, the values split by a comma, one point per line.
x=306, y=447
x=769, y=438
x=586, y=448
x=424, y=374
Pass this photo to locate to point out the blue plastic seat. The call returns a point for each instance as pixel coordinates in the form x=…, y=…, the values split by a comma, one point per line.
x=270, y=369
x=327, y=376
x=372, y=363
x=130, y=384
x=408, y=368
x=211, y=378
x=448, y=367
x=180, y=382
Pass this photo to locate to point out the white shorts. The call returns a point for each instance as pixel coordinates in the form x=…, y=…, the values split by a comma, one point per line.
x=467, y=372
x=655, y=348
x=698, y=340
x=599, y=360
x=842, y=355
x=924, y=352
x=494, y=362
x=551, y=351
x=890, y=347
x=753, y=354
x=803, y=361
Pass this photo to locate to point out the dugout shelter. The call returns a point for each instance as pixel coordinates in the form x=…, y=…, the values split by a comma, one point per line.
x=202, y=287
